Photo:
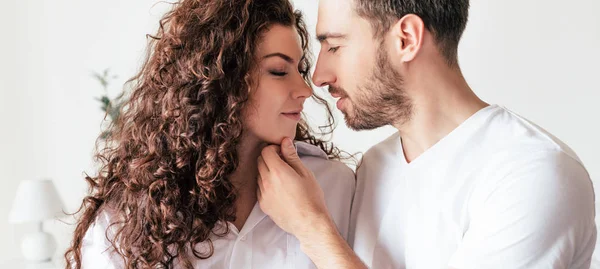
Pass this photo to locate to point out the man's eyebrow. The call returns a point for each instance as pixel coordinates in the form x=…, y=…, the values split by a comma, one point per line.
x=325, y=36
x=281, y=55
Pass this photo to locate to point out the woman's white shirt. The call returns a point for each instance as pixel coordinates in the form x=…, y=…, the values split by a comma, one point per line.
x=260, y=243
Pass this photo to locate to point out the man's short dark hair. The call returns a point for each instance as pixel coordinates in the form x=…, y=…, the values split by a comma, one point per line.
x=446, y=19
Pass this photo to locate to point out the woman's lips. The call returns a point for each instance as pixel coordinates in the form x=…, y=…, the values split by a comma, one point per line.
x=293, y=115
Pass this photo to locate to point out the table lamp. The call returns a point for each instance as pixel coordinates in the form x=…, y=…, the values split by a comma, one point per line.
x=35, y=202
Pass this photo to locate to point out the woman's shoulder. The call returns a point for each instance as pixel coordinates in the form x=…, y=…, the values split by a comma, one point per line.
x=337, y=181
x=97, y=250
x=327, y=171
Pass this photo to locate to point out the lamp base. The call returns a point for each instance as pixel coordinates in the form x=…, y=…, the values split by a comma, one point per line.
x=38, y=247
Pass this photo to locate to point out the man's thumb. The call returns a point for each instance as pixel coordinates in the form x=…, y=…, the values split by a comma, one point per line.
x=288, y=150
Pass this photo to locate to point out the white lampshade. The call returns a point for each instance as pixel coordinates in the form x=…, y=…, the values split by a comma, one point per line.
x=36, y=200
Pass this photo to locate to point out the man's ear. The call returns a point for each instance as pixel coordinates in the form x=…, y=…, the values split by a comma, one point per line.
x=407, y=36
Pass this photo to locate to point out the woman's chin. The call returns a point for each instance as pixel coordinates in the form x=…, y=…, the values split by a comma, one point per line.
x=278, y=138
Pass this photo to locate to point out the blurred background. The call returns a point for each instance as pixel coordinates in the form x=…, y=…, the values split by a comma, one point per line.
x=540, y=59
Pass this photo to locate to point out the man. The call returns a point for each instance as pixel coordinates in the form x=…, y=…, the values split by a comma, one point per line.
x=463, y=184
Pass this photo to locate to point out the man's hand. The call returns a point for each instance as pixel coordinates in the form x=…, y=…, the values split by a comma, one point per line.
x=289, y=193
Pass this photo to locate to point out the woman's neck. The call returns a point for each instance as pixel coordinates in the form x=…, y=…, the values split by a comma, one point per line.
x=244, y=179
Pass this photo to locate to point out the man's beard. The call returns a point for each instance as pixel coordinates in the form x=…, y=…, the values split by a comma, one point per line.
x=381, y=101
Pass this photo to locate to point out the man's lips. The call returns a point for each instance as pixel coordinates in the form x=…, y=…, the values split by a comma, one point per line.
x=336, y=94
x=340, y=103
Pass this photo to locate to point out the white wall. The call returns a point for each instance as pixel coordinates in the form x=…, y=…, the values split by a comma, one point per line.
x=538, y=58
x=49, y=116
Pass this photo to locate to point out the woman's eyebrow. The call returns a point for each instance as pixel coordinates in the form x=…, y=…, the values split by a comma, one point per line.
x=281, y=55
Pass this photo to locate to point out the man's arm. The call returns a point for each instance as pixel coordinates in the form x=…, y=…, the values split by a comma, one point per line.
x=289, y=193
x=327, y=248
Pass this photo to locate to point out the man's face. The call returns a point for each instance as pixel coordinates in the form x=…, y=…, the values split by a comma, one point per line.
x=356, y=67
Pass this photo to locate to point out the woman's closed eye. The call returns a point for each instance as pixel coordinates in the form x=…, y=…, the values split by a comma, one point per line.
x=278, y=73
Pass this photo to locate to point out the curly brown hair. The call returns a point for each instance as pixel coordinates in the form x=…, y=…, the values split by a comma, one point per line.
x=165, y=170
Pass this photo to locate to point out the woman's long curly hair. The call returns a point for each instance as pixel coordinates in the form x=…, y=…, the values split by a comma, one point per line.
x=164, y=171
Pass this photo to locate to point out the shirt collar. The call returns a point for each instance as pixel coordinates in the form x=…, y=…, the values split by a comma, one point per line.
x=305, y=149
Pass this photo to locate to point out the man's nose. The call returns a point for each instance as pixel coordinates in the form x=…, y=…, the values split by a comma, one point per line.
x=323, y=75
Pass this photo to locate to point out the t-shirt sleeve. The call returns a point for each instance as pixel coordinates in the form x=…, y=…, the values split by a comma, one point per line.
x=539, y=214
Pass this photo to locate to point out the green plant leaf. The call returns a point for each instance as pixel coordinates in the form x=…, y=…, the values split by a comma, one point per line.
x=111, y=107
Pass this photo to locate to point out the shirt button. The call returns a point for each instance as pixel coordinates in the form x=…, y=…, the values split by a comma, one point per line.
x=243, y=238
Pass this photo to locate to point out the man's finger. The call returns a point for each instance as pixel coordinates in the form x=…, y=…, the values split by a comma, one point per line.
x=263, y=169
x=258, y=195
x=290, y=155
x=271, y=157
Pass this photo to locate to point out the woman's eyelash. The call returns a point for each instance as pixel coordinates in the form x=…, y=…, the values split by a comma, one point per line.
x=333, y=49
x=277, y=73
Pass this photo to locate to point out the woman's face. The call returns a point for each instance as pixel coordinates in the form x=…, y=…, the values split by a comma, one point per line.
x=278, y=92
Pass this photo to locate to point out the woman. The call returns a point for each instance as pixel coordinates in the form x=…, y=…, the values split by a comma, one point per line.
x=177, y=186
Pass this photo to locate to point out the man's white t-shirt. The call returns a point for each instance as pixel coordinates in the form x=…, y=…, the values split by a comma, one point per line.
x=260, y=243
x=497, y=192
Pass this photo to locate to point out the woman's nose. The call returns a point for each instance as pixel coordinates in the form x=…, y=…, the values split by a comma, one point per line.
x=303, y=90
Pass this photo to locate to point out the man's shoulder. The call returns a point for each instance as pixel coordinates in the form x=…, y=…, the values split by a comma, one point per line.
x=512, y=132
x=552, y=163
x=387, y=148
x=332, y=168
x=335, y=178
